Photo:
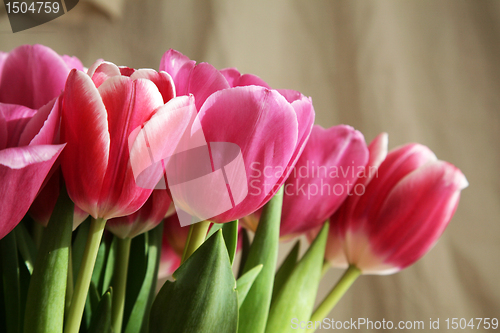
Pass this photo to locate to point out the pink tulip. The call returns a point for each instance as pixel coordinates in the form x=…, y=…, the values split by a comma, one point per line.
x=174, y=240
x=145, y=219
x=408, y=201
x=32, y=75
x=100, y=111
x=26, y=157
x=270, y=127
x=323, y=177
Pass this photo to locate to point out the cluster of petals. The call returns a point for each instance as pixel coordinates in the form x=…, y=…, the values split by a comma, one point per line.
x=410, y=197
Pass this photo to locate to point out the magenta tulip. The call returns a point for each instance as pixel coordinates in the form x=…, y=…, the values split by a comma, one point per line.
x=32, y=75
x=270, y=127
x=100, y=111
x=145, y=219
x=408, y=201
x=323, y=177
x=26, y=157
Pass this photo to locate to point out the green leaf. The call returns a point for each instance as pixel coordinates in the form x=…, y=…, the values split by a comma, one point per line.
x=138, y=269
x=78, y=246
x=91, y=304
x=285, y=269
x=47, y=290
x=101, y=321
x=3, y=318
x=11, y=283
x=26, y=246
x=245, y=248
x=110, y=264
x=213, y=229
x=244, y=283
x=230, y=233
x=296, y=297
x=100, y=265
x=264, y=250
x=203, y=297
x=137, y=319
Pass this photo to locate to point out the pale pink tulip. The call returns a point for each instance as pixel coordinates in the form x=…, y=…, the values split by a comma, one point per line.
x=323, y=177
x=100, y=111
x=409, y=199
x=270, y=127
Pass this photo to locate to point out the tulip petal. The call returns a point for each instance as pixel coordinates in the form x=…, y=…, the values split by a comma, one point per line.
x=4, y=135
x=72, y=62
x=15, y=118
x=145, y=219
x=264, y=125
x=32, y=76
x=235, y=79
x=104, y=71
x=126, y=71
x=129, y=105
x=85, y=129
x=305, y=117
x=22, y=172
x=42, y=207
x=163, y=82
x=3, y=56
x=232, y=75
x=152, y=144
x=205, y=79
x=340, y=223
x=398, y=163
x=43, y=128
x=378, y=152
x=416, y=212
x=179, y=67
x=323, y=177
x=91, y=70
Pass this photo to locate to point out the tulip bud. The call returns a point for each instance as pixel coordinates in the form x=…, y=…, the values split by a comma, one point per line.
x=409, y=200
x=323, y=177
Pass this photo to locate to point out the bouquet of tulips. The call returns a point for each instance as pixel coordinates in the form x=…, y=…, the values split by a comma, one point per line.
x=112, y=178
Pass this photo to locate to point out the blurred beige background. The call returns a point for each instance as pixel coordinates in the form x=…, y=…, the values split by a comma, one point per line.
x=426, y=71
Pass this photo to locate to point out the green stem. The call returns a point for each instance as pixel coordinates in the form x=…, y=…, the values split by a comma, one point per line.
x=120, y=283
x=11, y=285
x=326, y=267
x=335, y=294
x=84, y=276
x=196, y=237
x=47, y=290
x=37, y=233
x=70, y=283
